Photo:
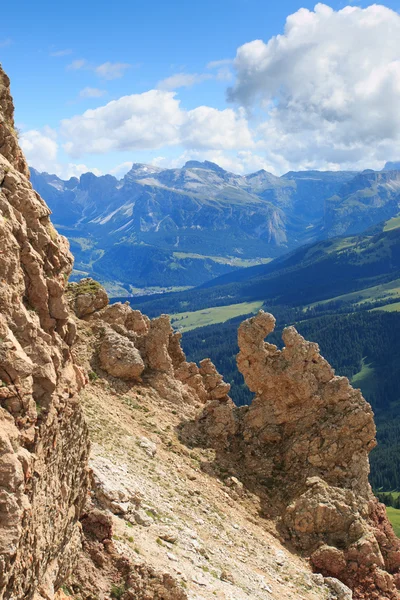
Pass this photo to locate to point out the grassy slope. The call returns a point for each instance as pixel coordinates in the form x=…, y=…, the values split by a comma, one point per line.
x=392, y=224
x=187, y=321
x=309, y=276
x=394, y=518
x=225, y=260
x=378, y=292
x=365, y=379
x=395, y=307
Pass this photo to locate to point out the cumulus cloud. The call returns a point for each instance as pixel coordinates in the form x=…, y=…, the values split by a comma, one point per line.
x=139, y=121
x=110, y=70
x=5, y=42
x=206, y=127
x=68, y=170
x=152, y=120
x=41, y=151
x=89, y=92
x=329, y=87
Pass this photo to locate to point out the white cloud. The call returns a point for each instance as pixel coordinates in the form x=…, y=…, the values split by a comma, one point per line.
x=109, y=70
x=41, y=151
x=140, y=121
x=120, y=170
x=180, y=80
x=206, y=127
x=216, y=64
x=58, y=53
x=76, y=65
x=89, y=92
x=329, y=87
x=75, y=170
x=152, y=120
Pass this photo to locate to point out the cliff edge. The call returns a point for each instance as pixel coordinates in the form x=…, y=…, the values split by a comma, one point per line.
x=44, y=440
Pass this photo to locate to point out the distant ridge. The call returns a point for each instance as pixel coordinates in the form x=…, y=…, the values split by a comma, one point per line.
x=161, y=229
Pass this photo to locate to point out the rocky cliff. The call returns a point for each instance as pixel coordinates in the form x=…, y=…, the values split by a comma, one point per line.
x=44, y=440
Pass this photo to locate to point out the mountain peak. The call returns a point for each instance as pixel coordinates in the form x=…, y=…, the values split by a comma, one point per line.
x=392, y=166
x=206, y=164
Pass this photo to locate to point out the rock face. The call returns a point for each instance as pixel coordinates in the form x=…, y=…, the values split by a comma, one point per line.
x=86, y=297
x=303, y=447
x=128, y=345
x=119, y=357
x=43, y=438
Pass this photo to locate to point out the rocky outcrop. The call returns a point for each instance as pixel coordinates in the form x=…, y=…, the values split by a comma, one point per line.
x=303, y=447
x=119, y=357
x=43, y=438
x=86, y=297
x=128, y=345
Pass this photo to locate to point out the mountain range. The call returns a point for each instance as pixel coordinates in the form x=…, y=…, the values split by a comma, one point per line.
x=159, y=229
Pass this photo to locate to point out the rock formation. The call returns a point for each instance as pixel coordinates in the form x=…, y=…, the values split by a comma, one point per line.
x=303, y=447
x=44, y=440
x=127, y=345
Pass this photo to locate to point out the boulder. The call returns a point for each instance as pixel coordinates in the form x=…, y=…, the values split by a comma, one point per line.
x=87, y=296
x=119, y=357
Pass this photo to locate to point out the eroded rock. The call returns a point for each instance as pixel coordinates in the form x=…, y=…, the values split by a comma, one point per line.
x=43, y=437
x=303, y=445
x=87, y=296
x=119, y=357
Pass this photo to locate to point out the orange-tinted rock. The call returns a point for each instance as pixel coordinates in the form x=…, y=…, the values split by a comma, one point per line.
x=302, y=446
x=43, y=438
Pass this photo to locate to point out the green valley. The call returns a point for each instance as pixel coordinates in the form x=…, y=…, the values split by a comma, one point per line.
x=186, y=321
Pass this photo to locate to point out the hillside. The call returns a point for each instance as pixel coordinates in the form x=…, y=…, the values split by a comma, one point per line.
x=364, y=201
x=343, y=269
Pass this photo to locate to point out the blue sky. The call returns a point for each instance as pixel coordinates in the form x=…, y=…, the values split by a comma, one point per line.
x=67, y=58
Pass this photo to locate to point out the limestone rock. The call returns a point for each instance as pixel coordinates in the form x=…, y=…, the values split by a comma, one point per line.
x=119, y=357
x=213, y=381
x=303, y=445
x=142, y=518
x=148, y=446
x=123, y=316
x=168, y=534
x=341, y=591
x=43, y=437
x=87, y=297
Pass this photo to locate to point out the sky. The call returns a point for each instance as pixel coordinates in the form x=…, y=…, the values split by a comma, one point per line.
x=248, y=84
